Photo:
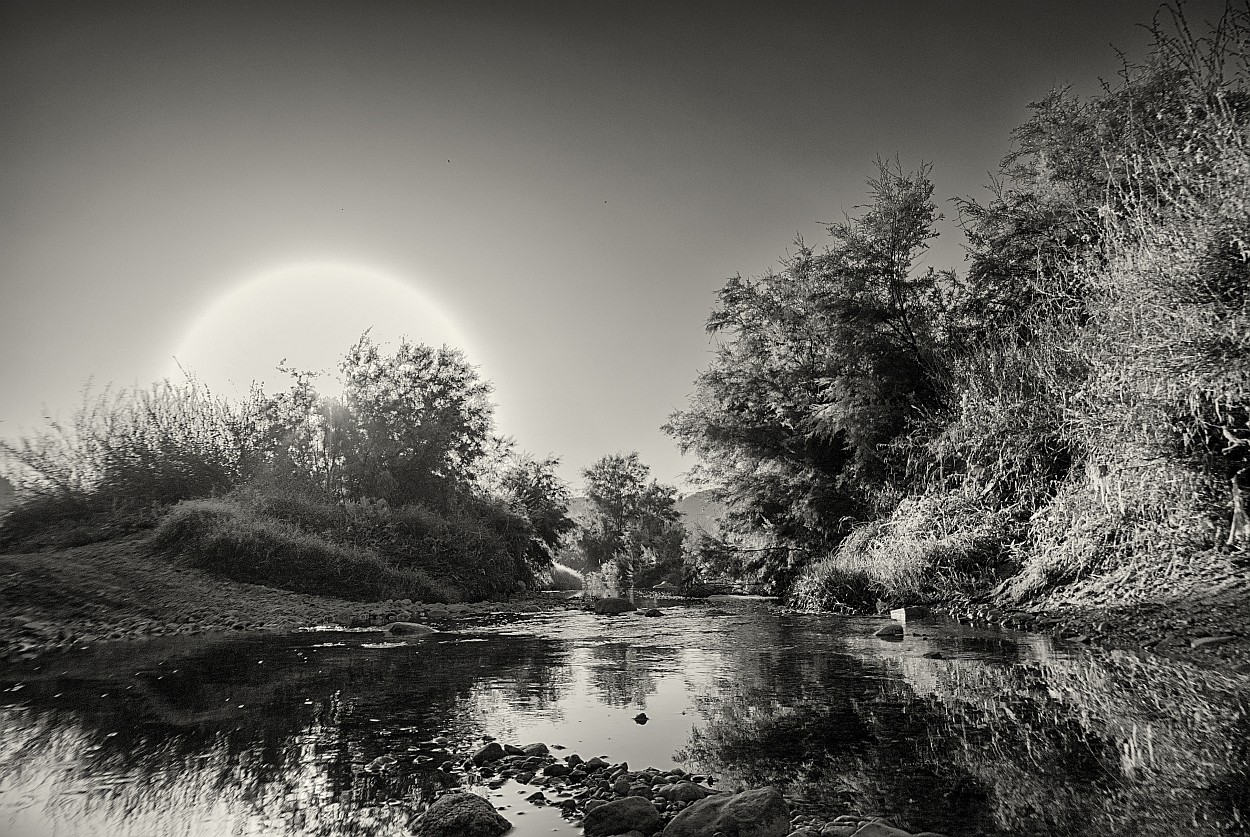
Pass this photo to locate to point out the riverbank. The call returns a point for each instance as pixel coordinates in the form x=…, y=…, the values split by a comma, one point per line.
x=122, y=590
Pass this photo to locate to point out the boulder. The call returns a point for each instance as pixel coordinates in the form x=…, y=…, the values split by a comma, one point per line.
x=654, y=611
x=409, y=629
x=461, y=814
x=491, y=752
x=890, y=630
x=754, y=813
x=612, y=607
x=632, y=813
x=685, y=792
x=538, y=749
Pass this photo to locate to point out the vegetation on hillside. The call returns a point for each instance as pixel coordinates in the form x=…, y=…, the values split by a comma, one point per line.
x=1074, y=408
x=398, y=488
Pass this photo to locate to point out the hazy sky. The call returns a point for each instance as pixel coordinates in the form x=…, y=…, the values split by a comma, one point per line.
x=559, y=187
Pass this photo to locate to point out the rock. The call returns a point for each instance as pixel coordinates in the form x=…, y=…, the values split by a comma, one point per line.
x=461, y=814
x=906, y=614
x=557, y=769
x=538, y=749
x=890, y=630
x=612, y=606
x=753, y=813
x=409, y=629
x=491, y=752
x=1210, y=641
x=685, y=792
x=641, y=718
x=654, y=611
x=934, y=655
x=879, y=829
x=622, y=815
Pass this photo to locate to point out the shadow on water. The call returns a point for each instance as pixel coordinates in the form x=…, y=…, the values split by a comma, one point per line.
x=332, y=733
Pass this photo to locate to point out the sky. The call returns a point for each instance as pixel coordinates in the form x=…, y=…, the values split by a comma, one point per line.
x=558, y=188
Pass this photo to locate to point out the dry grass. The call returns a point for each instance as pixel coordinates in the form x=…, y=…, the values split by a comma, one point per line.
x=931, y=547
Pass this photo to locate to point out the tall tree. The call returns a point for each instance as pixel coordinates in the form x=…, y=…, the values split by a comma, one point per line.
x=819, y=366
x=634, y=517
x=424, y=421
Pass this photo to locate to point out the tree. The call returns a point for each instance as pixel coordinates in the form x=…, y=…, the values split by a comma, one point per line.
x=819, y=367
x=423, y=418
x=634, y=517
x=531, y=487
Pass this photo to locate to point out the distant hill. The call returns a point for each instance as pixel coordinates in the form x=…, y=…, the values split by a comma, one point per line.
x=699, y=511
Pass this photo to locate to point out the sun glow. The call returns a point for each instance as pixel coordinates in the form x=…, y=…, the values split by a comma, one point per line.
x=307, y=315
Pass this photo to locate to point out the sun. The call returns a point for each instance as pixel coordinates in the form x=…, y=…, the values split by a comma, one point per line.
x=307, y=316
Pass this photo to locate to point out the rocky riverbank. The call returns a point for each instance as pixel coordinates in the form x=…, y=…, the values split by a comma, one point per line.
x=608, y=799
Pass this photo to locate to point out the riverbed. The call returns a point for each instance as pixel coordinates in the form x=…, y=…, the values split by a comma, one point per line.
x=961, y=730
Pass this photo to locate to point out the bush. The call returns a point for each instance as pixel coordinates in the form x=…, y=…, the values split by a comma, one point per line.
x=225, y=536
x=932, y=547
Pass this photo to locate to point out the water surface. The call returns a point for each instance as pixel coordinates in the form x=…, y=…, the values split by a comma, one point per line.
x=1005, y=734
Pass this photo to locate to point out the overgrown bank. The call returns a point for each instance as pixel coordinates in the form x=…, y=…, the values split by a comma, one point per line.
x=1065, y=421
x=396, y=489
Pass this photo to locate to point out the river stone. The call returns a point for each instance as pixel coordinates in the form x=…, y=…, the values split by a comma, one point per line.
x=409, y=629
x=890, y=630
x=461, y=814
x=685, y=792
x=754, y=813
x=619, y=816
x=880, y=829
x=613, y=606
x=538, y=749
x=491, y=752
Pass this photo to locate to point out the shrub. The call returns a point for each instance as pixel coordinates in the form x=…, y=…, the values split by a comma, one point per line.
x=932, y=547
x=223, y=535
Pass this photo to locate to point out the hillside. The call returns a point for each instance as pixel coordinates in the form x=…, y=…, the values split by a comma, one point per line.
x=699, y=511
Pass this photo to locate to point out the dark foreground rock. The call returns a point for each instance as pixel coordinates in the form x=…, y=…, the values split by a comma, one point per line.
x=461, y=815
x=754, y=813
x=622, y=816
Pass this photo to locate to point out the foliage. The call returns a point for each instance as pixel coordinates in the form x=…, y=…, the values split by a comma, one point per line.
x=121, y=454
x=634, y=517
x=1078, y=404
x=392, y=472
x=818, y=368
x=530, y=487
x=227, y=537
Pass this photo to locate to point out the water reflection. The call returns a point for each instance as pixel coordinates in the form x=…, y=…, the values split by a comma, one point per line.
x=322, y=735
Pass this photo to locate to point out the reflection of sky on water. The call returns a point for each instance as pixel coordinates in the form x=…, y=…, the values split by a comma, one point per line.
x=1006, y=734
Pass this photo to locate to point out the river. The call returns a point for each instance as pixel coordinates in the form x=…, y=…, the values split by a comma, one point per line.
x=955, y=729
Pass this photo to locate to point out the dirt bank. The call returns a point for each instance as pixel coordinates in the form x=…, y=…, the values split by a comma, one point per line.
x=121, y=589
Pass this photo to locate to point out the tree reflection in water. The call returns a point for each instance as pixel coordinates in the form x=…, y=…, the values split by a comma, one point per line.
x=279, y=735
x=1130, y=745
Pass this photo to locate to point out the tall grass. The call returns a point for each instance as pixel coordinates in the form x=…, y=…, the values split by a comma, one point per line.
x=932, y=547
x=122, y=455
